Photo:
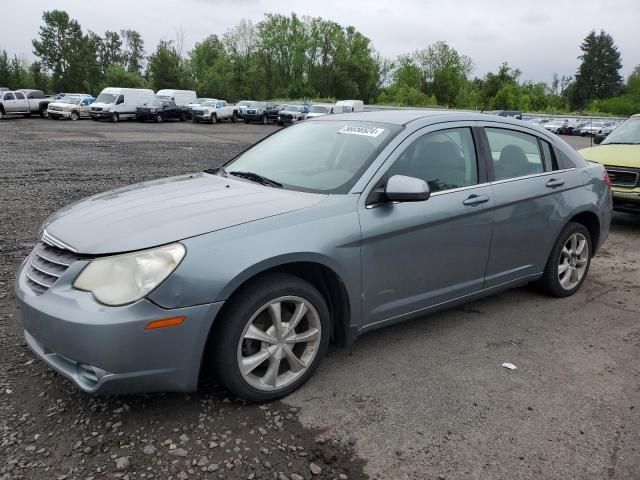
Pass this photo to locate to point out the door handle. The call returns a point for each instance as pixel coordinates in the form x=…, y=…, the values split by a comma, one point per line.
x=553, y=183
x=475, y=200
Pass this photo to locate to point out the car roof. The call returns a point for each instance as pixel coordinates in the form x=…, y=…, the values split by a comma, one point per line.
x=406, y=116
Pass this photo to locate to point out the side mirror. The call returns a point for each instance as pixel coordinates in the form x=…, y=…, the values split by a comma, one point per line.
x=401, y=188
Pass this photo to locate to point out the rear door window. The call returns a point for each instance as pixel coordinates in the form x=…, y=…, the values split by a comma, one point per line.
x=514, y=154
x=19, y=96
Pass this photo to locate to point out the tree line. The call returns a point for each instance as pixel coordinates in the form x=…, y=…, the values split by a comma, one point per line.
x=310, y=57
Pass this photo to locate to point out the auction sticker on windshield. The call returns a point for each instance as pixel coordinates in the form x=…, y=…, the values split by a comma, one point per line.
x=366, y=131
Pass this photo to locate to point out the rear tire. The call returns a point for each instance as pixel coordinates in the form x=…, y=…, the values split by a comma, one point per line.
x=568, y=263
x=234, y=117
x=44, y=113
x=247, y=328
x=264, y=119
x=194, y=120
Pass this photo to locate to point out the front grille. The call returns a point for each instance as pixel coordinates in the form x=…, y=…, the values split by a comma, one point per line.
x=622, y=178
x=286, y=116
x=96, y=109
x=46, y=264
x=251, y=112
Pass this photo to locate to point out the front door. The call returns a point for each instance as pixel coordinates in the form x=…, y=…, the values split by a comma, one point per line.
x=416, y=255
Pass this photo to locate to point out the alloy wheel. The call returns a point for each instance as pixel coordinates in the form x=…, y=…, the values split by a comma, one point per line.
x=573, y=262
x=279, y=343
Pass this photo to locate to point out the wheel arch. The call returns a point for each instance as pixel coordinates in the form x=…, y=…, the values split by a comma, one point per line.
x=313, y=269
x=591, y=222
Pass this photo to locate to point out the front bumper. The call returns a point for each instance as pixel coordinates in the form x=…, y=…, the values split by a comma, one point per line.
x=59, y=113
x=200, y=117
x=106, y=350
x=626, y=198
x=100, y=114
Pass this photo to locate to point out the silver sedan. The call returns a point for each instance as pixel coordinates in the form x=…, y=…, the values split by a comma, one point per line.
x=317, y=234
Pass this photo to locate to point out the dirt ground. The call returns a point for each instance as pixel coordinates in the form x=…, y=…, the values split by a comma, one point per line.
x=427, y=399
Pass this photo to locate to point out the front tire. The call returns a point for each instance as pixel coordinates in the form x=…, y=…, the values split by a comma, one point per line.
x=159, y=118
x=264, y=119
x=74, y=116
x=115, y=118
x=569, y=262
x=272, y=336
x=213, y=119
x=234, y=117
x=44, y=113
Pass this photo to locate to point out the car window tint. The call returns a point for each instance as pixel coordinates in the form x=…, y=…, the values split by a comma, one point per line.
x=514, y=154
x=19, y=96
x=9, y=96
x=445, y=159
x=549, y=158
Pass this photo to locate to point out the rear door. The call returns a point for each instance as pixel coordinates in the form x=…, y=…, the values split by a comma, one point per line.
x=21, y=102
x=416, y=255
x=527, y=186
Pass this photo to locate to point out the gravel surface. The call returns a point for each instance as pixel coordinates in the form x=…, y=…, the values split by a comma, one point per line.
x=427, y=399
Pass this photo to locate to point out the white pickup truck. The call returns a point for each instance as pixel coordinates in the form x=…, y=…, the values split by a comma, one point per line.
x=213, y=111
x=24, y=102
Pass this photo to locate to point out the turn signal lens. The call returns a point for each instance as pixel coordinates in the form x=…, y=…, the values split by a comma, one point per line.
x=164, y=323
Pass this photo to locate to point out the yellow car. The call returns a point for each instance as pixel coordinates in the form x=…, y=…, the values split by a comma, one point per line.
x=620, y=154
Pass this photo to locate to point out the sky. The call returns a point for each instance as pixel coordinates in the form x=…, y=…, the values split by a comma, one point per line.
x=539, y=38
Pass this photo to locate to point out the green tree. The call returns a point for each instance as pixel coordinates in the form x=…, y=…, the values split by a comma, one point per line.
x=444, y=70
x=62, y=48
x=633, y=82
x=110, y=50
x=117, y=75
x=598, y=76
x=132, y=51
x=167, y=67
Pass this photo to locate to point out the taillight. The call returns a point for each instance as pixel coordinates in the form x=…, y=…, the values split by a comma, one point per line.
x=607, y=180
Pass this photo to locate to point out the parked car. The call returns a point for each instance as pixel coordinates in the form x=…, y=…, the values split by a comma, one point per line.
x=180, y=97
x=254, y=112
x=4, y=89
x=348, y=106
x=619, y=152
x=73, y=107
x=242, y=105
x=116, y=103
x=388, y=215
x=23, y=102
x=159, y=110
x=321, y=109
x=591, y=128
x=553, y=127
x=214, y=111
x=290, y=114
x=604, y=132
x=196, y=103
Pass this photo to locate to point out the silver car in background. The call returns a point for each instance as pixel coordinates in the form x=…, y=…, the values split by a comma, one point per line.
x=317, y=234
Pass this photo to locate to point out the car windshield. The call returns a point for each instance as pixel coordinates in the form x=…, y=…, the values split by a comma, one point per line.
x=255, y=104
x=244, y=103
x=106, y=98
x=321, y=157
x=627, y=132
x=319, y=109
x=155, y=103
x=200, y=101
x=72, y=100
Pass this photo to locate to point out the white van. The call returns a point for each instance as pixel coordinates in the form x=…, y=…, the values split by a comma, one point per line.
x=348, y=106
x=180, y=97
x=115, y=103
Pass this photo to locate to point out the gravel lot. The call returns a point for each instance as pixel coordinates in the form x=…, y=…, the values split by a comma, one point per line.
x=424, y=399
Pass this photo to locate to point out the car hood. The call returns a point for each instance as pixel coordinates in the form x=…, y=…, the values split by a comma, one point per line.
x=66, y=106
x=162, y=211
x=614, y=155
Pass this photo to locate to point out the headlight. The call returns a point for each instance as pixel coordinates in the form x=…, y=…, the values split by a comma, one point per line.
x=122, y=279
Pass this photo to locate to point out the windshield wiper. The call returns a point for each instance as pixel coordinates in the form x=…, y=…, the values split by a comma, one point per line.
x=254, y=177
